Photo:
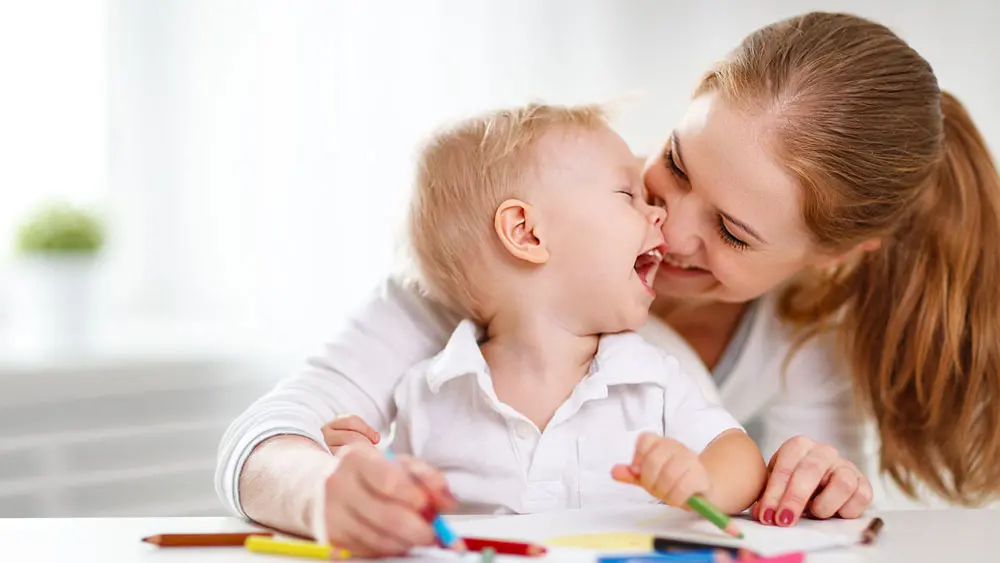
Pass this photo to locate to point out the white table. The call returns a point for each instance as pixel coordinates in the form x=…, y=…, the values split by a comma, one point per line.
x=947, y=536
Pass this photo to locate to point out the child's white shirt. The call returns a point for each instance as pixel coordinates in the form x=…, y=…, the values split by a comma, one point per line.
x=497, y=461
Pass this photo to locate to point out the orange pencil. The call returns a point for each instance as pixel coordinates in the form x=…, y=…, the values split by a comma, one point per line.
x=203, y=540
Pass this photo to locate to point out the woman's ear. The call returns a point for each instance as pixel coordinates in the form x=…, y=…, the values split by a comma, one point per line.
x=859, y=250
x=516, y=225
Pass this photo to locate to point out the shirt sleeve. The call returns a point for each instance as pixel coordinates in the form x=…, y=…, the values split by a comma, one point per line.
x=356, y=373
x=689, y=417
x=815, y=400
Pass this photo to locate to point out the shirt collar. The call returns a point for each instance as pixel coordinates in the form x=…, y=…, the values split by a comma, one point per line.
x=622, y=359
x=461, y=356
x=625, y=358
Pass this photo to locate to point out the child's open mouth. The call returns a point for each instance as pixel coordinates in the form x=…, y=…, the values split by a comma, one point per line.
x=646, y=265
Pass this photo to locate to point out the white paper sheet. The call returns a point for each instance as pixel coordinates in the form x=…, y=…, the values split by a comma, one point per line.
x=663, y=521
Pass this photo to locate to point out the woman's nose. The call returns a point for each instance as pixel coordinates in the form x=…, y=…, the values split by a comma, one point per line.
x=657, y=215
x=680, y=230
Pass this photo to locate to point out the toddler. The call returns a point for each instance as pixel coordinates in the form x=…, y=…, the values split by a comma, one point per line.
x=533, y=224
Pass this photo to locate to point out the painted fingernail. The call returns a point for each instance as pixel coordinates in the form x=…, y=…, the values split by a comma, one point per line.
x=768, y=517
x=786, y=517
x=428, y=513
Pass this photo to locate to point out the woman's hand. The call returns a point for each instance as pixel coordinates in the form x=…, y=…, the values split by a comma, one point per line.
x=375, y=507
x=808, y=476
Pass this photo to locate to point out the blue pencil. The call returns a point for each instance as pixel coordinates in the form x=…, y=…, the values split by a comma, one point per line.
x=442, y=530
x=680, y=557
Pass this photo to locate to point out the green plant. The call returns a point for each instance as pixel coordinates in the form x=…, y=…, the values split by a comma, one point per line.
x=61, y=229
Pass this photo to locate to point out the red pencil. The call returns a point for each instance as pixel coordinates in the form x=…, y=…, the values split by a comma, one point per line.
x=202, y=540
x=502, y=547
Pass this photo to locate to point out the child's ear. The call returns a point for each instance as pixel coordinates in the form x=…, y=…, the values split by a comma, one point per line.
x=516, y=225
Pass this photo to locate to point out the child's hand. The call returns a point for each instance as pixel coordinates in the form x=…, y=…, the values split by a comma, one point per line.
x=666, y=468
x=348, y=429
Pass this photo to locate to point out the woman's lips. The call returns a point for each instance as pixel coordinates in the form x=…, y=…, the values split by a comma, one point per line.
x=670, y=266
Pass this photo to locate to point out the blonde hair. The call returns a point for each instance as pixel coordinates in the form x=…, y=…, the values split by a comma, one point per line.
x=881, y=152
x=463, y=174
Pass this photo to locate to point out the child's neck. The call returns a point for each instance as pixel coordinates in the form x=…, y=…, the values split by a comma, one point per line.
x=535, y=361
x=536, y=345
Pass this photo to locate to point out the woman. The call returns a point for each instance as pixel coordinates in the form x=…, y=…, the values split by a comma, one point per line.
x=833, y=218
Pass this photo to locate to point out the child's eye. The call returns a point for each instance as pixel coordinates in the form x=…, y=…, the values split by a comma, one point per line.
x=627, y=192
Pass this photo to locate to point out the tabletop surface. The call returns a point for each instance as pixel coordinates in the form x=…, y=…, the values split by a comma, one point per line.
x=949, y=536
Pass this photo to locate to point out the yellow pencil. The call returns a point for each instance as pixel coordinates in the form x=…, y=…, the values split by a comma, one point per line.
x=309, y=550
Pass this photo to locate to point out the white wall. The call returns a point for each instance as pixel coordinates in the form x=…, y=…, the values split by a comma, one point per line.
x=261, y=150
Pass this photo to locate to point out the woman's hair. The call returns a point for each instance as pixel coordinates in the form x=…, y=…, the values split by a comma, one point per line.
x=882, y=153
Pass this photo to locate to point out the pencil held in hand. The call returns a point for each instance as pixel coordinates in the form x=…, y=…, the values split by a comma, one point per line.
x=445, y=536
x=722, y=520
x=672, y=472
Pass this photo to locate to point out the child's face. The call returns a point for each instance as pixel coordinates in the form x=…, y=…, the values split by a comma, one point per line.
x=603, y=239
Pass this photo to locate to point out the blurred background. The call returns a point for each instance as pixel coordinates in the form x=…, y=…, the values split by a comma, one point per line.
x=231, y=175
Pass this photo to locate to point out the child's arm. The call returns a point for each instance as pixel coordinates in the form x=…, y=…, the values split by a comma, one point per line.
x=729, y=472
x=704, y=450
x=735, y=469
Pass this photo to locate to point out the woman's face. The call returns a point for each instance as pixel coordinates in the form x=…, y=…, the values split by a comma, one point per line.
x=734, y=227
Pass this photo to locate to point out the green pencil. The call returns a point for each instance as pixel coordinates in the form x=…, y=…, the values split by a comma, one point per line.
x=700, y=505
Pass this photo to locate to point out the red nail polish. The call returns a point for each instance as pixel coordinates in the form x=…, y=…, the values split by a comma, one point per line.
x=768, y=517
x=428, y=513
x=786, y=517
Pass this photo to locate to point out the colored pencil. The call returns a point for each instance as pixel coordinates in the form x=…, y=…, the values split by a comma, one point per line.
x=445, y=536
x=202, y=540
x=722, y=520
x=689, y=557
x=871, y=532
x=504, y=547
x=308, y=550
x=669, y=545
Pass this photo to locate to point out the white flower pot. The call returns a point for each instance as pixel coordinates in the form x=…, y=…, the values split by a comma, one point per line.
x=55, y=302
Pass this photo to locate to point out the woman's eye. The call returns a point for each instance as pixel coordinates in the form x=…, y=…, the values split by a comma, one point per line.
x=729, y=238
x=668, y=159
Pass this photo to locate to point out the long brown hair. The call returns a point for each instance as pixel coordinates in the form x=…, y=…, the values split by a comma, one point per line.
x=882, y=153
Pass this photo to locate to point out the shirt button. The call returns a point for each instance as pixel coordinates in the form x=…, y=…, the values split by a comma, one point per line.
x=524, y=430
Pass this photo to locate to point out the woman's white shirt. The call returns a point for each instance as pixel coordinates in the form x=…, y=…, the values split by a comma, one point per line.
x=359, y=370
